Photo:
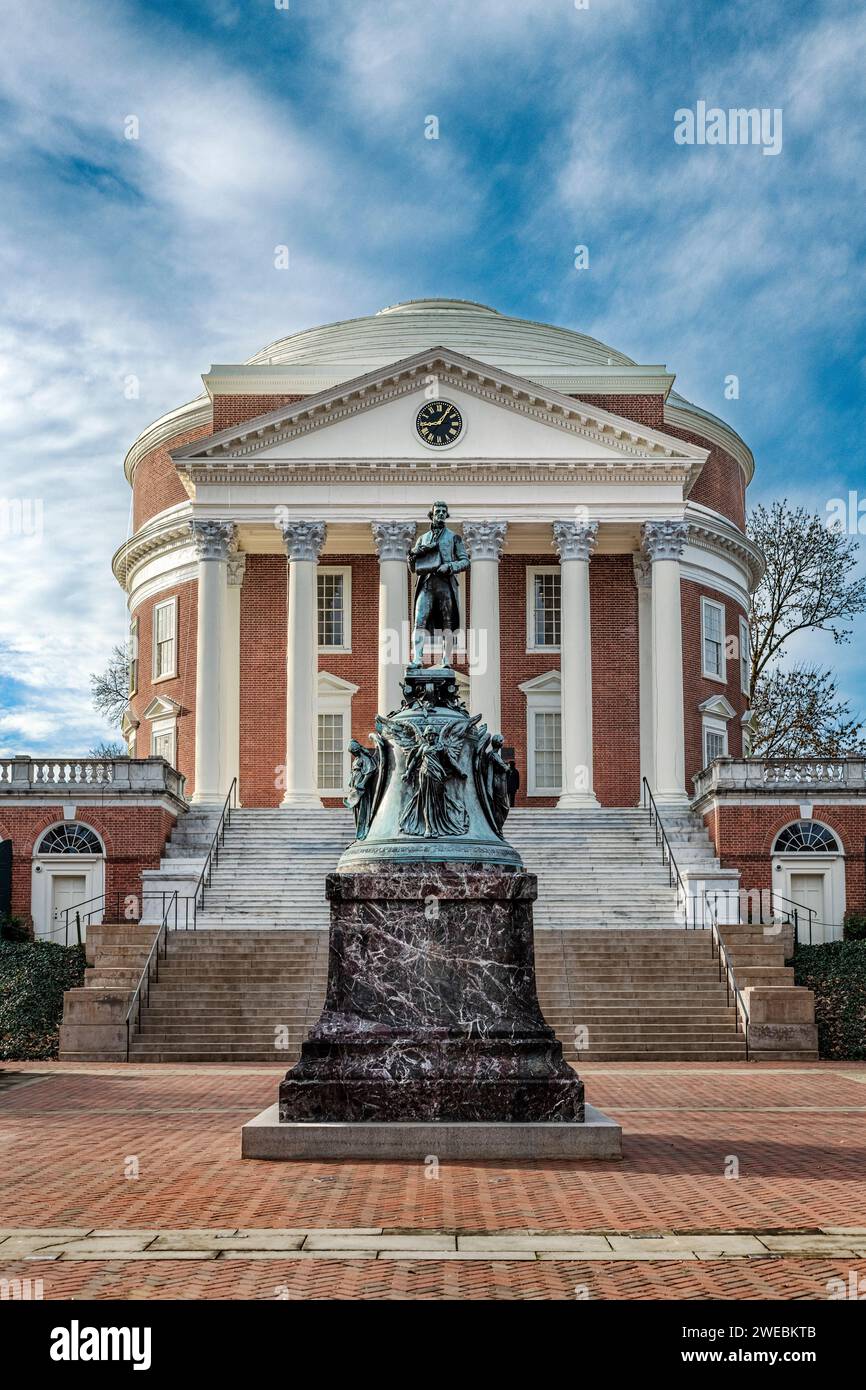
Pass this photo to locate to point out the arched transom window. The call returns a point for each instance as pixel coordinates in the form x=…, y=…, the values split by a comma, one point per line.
x=70, y=838
x=806, y=837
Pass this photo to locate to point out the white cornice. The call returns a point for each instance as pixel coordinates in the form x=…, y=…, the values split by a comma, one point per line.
x=169, y=531
x=297, y=379
x=711, y=531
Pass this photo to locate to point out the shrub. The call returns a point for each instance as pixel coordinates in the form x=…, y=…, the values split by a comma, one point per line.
x=836, y=972
x=33, y=977
x=855, y=925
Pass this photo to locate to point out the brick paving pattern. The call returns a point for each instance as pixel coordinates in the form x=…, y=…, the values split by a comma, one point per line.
x=68, y=1133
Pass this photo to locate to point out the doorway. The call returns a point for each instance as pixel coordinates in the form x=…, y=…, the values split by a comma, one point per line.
x=67, y=890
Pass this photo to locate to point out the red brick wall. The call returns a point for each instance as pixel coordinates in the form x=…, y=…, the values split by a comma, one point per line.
x=134, y=838
x=516, y=664
x=263, y=679
x=182, y=687
x=647, y=410
x=264, y=598
x=744, y=836
x=615, y=680
x=156, y=484
x=360, y=666
x=696, y=688
x=233, y=410
x=721, y=484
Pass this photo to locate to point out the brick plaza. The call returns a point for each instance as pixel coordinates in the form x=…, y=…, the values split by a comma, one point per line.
x=198, y=1223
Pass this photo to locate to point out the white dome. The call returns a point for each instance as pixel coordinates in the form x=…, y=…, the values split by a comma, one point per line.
x=474, y=329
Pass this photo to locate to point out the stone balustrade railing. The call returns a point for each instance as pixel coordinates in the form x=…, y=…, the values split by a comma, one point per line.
x=775, y=775
x=83, y=777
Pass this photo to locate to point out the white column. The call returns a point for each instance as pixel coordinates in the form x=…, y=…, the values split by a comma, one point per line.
x=643, y=581
x=304, y=541
x=575, y=542
x=393, y=541
x=484, y=541
x=664, y=542
x=231, y=677
x=212, y=540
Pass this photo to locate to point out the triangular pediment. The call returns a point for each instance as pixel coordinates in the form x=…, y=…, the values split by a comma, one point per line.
x=373, y=417
x=162, y=707
x=718, y=706
x=329, y=684
x=549, y=683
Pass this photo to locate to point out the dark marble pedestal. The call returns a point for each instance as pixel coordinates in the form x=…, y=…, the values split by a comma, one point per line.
x=431, y=1012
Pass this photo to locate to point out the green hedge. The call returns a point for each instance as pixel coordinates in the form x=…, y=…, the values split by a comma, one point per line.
x=837, y=974
x=33, y=976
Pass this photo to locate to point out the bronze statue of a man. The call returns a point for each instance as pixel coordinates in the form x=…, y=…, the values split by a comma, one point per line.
x=436, y=559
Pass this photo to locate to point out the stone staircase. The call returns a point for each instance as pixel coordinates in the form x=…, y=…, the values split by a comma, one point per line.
x=271, y=870
x=241, y=996
x=623, y=995
x=612, y=959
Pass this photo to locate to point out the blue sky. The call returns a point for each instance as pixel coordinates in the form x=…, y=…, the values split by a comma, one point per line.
x=305, y=127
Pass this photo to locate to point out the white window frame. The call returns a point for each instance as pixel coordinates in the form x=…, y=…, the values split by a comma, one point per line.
x=720, y=676
x=346, y=572
x=172, y=674
x=133, y=657
x=711, y=724
x=543, y=696
x=164, y=728
x=334, y=696
x=531, y=572
x=745, y=657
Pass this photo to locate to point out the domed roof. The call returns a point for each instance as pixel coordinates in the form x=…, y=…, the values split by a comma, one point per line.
x=474, y=329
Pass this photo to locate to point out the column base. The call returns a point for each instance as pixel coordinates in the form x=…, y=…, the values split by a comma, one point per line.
x=577, y=801
x=674, y=800
x=303, y=801
x=211, y=801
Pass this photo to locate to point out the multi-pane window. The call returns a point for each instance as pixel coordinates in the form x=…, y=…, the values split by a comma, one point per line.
x=162, y=745
x=715, y=744
x=745, y=657
x=546, y=608
x=330, y=752
x=713, y=627
x=332, y=608
x=165, y=639
x=133, y=656
x=548, y=750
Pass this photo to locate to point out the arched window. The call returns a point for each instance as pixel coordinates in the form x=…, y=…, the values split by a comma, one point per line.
x=806, y=837
x=70, y=838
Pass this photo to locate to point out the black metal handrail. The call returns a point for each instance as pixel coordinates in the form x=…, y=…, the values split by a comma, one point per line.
x=789, y=915
x=99, y=900
x=160, y=940
x=213, y=854
x=675, y=878
x=725, y=963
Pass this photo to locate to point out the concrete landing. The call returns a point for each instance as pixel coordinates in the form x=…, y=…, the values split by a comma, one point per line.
x=599, y=1137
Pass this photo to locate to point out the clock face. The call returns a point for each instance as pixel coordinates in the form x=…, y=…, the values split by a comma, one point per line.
x=439, y=423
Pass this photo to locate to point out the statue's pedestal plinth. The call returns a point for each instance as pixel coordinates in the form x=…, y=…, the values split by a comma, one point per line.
x=431, y=1040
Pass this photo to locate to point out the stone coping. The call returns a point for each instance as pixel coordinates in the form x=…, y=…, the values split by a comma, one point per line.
x=62, y=1243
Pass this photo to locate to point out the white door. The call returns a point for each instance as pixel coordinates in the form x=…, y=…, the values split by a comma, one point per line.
x=808, y=889
x=67, y=890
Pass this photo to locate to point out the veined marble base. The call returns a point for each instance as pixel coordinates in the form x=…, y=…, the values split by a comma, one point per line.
x=264, y=1137
x=431, y=1013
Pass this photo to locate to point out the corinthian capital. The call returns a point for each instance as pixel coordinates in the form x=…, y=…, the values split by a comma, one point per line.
x=212, y=539
x=575, y=540
x=304, y=539
x=393, y=539
x=484, y=539
x=664, y=540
